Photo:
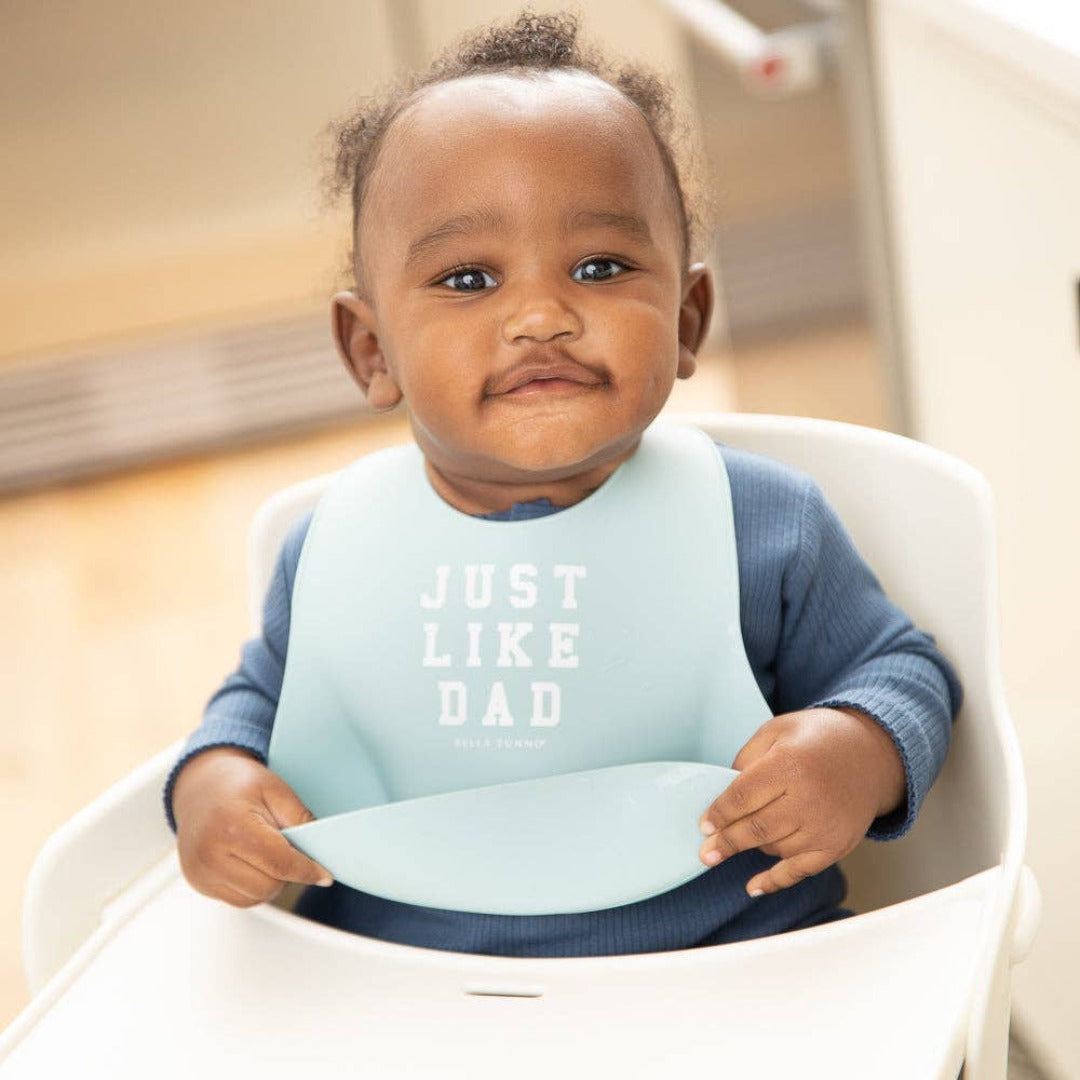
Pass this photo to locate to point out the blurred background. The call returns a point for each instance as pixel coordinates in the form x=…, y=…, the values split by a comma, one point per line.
x=897, y=245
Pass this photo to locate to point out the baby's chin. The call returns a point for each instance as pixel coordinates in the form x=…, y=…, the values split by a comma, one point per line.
x=560, y=458
x=498, y=485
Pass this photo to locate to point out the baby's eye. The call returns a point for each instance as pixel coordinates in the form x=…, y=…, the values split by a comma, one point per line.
x=469, y=280
x=598, y=270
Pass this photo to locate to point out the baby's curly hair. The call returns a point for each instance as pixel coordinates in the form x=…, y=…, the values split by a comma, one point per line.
x=533, y=44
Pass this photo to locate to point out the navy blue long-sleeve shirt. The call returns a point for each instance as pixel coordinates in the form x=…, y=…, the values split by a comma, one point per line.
x=818, y=632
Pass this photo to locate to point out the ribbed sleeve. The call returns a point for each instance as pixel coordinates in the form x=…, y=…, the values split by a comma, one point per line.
x=241, y=712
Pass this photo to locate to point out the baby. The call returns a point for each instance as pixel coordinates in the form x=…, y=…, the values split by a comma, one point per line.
x=525, y=285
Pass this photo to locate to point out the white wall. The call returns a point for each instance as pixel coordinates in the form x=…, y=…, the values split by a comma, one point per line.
x=982, y=130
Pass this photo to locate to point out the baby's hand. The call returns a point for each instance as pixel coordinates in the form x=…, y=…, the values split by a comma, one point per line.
x=810, y=785
x=230, y=810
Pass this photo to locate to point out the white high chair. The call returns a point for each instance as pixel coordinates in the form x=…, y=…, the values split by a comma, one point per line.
x=134, y=974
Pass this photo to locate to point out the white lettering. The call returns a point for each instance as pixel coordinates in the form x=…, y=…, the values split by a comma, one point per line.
x=570, y=575
x=563, y=636
x=510, y=652
x=523, y=581
x=452, y=699
x=498, y=708
x=478, y=596
x=431, y=633
x=473, y=658
x=546, y=694
x=472, y=744
x=433, y=603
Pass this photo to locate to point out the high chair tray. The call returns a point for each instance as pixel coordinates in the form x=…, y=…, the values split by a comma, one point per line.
x=175, y=984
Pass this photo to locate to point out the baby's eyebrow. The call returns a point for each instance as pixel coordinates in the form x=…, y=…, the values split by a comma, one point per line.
x=487, y=220
x=630, y=224
x=480, y=220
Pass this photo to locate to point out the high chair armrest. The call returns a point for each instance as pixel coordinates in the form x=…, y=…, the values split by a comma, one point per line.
x=1029, y=915
x=89, y=860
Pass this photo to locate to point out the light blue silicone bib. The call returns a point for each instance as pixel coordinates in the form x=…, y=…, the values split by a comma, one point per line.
x=517, y=717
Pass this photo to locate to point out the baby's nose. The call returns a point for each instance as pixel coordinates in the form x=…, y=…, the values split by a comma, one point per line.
x=539, y=314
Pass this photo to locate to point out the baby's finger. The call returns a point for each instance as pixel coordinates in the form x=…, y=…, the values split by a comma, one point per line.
x=789, y=872
x=251, y=882
x=771, y=824
x=283, y=803
x=789, y=846
x=756, y=747
x=748, y=793
x=271, y=853
x=233, y=897
x=230, y=877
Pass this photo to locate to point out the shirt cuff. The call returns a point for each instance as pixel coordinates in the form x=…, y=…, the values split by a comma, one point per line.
x=221, y=733
x=917, y=756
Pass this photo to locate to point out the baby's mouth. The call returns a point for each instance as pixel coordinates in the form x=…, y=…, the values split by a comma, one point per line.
x=545, y=384
x=535, y=377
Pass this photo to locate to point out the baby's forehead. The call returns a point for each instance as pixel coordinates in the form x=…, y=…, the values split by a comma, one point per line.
x=492, y=132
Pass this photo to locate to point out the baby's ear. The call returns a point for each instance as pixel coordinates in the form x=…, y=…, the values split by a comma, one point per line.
x=355, y=330
x=694, y=316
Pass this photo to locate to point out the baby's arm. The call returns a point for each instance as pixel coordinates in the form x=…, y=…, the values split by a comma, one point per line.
x=865, y=699
x=227, y=808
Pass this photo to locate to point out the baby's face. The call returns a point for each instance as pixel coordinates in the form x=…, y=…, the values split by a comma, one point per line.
x=521, y=258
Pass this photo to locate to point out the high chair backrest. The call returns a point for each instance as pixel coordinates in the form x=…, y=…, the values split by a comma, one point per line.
x=923, y=520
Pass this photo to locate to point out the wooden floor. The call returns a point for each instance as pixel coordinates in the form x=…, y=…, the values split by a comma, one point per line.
x=123, y=600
